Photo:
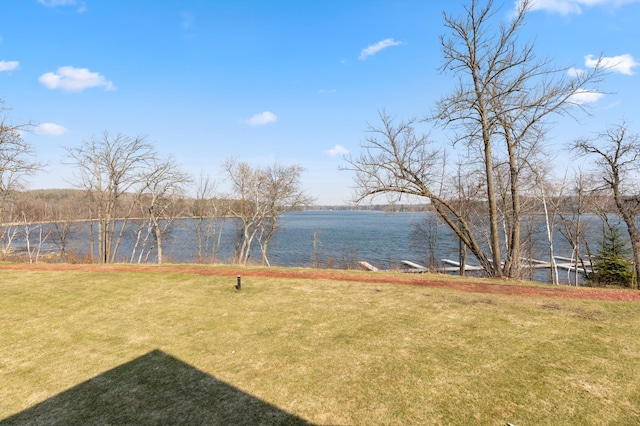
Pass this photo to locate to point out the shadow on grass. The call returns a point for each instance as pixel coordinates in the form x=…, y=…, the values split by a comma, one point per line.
x=155, y=388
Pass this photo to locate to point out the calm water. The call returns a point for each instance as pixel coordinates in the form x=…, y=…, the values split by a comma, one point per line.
x=337, y=239
x=334, y=238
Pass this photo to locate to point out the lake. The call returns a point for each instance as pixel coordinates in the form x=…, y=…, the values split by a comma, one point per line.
x=335, y=239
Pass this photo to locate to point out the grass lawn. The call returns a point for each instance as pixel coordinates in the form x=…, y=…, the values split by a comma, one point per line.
x=152, y=348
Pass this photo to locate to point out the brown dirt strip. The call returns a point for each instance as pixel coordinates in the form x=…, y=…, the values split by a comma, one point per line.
x=467, y=285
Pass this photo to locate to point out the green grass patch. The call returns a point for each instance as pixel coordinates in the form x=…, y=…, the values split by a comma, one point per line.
x=82, y=347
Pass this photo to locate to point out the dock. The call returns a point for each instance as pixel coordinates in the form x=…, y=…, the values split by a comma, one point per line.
x=456, y=266
x=368, y=266
x=565, y=263
x=413, y=267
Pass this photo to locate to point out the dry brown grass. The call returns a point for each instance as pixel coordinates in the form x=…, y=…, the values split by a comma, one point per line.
x=299, y=350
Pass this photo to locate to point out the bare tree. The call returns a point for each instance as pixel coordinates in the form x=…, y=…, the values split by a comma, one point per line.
x=206, y=218
x=16, y=163
x=617, y=158
x=397, y=160
x=282, y=194
x=164, y=182
x=29, y=227
x=141, y=230
x=246, y=190
x=574, y=222
x=549, y=194
x=425, y=235
x=500, y=109
x=261, y=196
x=108, y=169
x=504, y=99
x=467, y=184
x=64, y=210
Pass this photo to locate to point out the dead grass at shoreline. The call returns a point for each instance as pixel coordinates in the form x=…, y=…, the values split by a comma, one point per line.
x=467, y=284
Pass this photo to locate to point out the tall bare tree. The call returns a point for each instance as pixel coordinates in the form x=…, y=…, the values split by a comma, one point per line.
x=16, y=163
x=502, y=105
x=108, y=168
x=500, y=109
x=616, y=152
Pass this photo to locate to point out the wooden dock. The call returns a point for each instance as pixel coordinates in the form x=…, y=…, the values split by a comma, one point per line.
x=565, y=263
x=413, y=267
x=456, y=266
x=368, y=266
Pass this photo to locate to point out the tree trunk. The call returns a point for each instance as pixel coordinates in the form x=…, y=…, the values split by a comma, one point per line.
x=158, y=231
x=493, y=212
x=512, y=264
x=634, y=235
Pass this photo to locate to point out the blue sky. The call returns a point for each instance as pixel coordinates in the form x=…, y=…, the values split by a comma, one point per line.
x=261, y=81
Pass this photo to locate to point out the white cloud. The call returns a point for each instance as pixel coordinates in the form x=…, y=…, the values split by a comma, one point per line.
x=50, y=129
x=575, y=72
x=73, y=79
x=566, y=7
x=375, y=48
x=9, y=65
x=261, y=119
x=56, y=3
x=336, y=151
x=583, y=96
x=622, y=64
x=82, y=6
x=186, y=19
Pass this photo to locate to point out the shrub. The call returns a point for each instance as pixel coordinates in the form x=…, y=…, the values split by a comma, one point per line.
x=613, y=264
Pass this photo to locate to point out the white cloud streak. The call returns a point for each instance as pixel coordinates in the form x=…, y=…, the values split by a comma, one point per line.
x=575, y=72
x=50, y=129
x=9, y=65
x=622, y=64
x=261, y=119
x=337, y=151
x=71, y=79
x=375, y=48
x=583, y=96
x=82, y=6
x=56, y=3
x=567, y=7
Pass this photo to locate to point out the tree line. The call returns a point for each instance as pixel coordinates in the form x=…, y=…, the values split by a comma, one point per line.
x=125, y=186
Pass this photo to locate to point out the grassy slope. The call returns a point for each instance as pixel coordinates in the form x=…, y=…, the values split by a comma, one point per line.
x=330, y=353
